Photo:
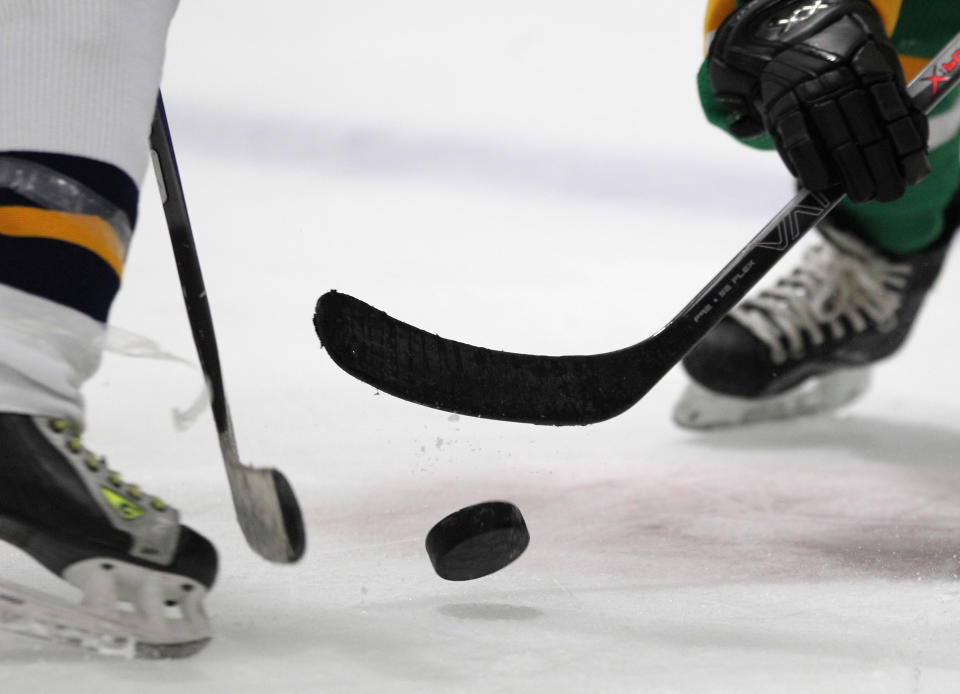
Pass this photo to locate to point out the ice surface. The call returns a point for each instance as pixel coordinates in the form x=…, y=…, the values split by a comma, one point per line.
x=506, y=174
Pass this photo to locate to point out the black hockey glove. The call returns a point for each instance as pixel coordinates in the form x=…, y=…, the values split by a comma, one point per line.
x=822, y=77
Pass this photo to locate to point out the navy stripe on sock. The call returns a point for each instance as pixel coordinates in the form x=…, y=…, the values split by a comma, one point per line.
x=9, y=198
x=62, y=272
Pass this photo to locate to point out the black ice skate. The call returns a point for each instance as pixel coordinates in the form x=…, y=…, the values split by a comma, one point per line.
x=805, y=345
x=143, y=575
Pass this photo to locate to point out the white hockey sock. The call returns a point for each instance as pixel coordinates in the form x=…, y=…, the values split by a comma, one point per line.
x=80, y=77
x=47, y=351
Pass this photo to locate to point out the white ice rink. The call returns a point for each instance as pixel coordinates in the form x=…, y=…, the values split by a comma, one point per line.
x=538, y=177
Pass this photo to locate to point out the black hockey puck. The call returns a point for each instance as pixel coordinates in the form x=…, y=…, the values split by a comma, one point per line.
x=477, y=540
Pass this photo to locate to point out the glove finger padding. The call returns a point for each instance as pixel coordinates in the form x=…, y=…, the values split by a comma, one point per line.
x=823, y=79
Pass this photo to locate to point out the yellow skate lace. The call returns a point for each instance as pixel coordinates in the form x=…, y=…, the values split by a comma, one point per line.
x=99, y=464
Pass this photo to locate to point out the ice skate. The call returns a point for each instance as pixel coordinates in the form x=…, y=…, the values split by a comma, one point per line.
x=806, y=345
x=142, y=574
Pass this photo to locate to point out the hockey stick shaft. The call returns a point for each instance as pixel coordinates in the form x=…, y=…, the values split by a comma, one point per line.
x=191, y=276
x=410, y=363
x=267, y=509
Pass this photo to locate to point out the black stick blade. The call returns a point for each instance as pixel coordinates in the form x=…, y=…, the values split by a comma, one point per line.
x=267, y=512
x=292, y=518
x=427, y=369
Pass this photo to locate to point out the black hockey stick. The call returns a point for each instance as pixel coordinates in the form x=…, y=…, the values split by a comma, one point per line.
x=266, y=506
x=412, y=364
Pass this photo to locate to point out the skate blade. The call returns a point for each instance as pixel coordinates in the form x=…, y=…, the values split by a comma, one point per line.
x=33, y=614
x=700, y=408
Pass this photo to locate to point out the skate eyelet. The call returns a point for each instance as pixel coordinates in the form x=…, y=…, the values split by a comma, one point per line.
x=158, y=504
x=135, y=492
x=115, y=479
x=92, y=463
x=58, y=425
x=75, y=445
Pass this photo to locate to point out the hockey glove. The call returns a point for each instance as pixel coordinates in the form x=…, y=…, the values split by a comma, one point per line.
x=822, y=77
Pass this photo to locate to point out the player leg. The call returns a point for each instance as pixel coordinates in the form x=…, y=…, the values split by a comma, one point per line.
x=80, y=79
x=806, y=344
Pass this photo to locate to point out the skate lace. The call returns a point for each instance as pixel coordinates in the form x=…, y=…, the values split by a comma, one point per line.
x=838, y=287
x=98, y=464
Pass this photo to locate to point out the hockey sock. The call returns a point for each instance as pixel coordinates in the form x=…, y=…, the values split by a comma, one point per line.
x=62, y=248
x=80, y=82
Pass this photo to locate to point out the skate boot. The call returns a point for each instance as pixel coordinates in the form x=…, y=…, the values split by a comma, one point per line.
x=143, y=575
x=805, y=345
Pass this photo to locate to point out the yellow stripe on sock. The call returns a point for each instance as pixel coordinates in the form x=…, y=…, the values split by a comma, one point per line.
x=84, y=230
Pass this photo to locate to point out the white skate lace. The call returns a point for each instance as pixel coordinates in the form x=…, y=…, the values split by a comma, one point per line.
x=838, y=287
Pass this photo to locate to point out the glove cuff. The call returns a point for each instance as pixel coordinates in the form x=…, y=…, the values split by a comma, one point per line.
x=754, y=35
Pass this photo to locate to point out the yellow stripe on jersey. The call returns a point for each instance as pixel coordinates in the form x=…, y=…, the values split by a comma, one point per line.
x=889, y=11
x=717, y=11
x=84, y=230
x=912, y=66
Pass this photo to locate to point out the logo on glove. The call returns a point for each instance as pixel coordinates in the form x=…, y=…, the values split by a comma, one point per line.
x=937, y=80
x=802, y=14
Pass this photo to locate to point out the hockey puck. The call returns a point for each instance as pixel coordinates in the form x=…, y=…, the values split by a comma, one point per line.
x=477, y=540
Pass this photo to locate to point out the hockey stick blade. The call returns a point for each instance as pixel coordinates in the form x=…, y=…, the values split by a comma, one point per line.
x=267, y=512
x=412, y=364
